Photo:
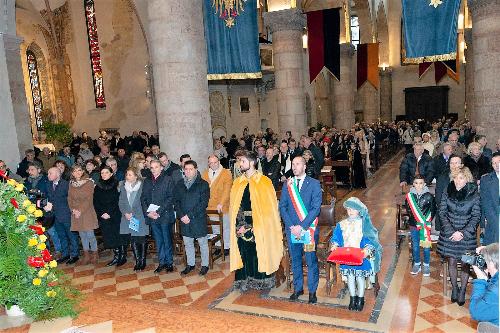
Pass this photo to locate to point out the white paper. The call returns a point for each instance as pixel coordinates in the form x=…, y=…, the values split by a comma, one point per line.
x=153, y=208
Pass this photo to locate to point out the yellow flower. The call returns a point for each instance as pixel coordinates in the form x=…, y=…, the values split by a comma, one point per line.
x=41, y=246
x=42, y=238
x=19, y=187
x=37, y=281
x=32, y=242
x=42, y=273
x=38, y=213
x=51, y=293
x=53, y=264
x=21, y=218
x=31, y=209
x=26, y=203
x=11, y=182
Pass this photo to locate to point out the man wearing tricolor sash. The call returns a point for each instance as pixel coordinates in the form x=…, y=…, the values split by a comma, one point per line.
x=421, y=210
x=300, y=205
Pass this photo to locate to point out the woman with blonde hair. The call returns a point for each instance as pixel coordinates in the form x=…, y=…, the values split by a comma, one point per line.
x=459, y=212
x=477, y=163
x=83, y=216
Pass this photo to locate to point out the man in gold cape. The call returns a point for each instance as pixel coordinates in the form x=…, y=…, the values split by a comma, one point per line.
x=256, y=234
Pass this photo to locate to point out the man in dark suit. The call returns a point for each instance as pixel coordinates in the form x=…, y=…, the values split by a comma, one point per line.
x=416, y=163
x=310, y=193
x=490, y=201
x=158, y=190
x=57, y=195
x=319, y=159
x=285, y=160
x=271, y=167
x=441, y=161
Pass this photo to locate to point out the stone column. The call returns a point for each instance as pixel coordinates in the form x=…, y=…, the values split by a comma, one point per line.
x=343, y=90
x=386, y=94
x=179, y=59
x=287, y=27
x=371, y=103
x=469, y=77
x=15, y=124
x=486, y=64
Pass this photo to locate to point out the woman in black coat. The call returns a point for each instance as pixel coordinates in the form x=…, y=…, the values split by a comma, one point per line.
x=108, y=214
x=477, y=163
x=310, y=164
x=460, y=213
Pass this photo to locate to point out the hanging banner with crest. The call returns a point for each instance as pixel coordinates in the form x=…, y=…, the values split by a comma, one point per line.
x=232, y=37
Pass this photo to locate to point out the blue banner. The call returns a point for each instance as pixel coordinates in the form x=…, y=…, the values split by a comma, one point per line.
x=430, y=30
x=232, y=37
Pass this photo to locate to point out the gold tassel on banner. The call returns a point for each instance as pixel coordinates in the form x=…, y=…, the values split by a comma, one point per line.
x=228, y=10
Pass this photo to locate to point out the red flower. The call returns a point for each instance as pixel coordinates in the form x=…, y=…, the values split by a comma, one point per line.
x=2, y=174
x=52, y=284
x=36, y=262
x=46, y=255
x=14, y=203
x=37, y=229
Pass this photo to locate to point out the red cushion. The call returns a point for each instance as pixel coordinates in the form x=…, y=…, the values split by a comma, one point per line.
x=347, y=256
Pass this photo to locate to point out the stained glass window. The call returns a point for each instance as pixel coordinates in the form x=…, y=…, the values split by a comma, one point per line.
x=35, y=88
x=95, y=54
x=355, y=31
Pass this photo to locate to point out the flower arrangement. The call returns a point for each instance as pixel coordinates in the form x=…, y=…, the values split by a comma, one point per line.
x=29, y=276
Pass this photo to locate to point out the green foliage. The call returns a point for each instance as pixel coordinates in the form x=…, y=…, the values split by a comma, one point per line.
x=54, y=296
x=59, y=134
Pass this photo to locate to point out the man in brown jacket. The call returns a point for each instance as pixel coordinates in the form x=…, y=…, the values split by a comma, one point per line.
x=220, y=181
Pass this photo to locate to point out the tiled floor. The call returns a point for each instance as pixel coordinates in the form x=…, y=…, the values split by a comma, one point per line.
x=120, y=300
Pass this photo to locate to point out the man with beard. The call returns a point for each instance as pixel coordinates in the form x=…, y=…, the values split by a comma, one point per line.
x=256, y=235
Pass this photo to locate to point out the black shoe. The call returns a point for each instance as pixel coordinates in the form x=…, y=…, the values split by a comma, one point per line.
x=295, y=295
x=312, y=298
x=454, y=295
x=122, y=256
x=461, y=297
x=169, y=268
x=62, y=260
x=72, y=260
x=116, y=253
x=360, y=304
x=352, y=303
x=187, y=270
x=226, y=252
x=203, y=270
x=160, y=268
x=217, y=252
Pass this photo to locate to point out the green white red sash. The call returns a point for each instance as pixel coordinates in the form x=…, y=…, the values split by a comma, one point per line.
x=424, y=224
x=301, y=211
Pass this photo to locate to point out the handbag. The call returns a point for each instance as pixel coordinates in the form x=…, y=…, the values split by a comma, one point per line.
x=352, y=256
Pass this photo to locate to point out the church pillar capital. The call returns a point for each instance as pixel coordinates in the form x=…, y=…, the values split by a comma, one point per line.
x=284, y=20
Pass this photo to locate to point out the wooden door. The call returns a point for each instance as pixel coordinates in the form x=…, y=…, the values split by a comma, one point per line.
x=429, y=103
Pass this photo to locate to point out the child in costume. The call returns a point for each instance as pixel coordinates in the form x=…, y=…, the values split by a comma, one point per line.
x=358, y=231
x=421, y=209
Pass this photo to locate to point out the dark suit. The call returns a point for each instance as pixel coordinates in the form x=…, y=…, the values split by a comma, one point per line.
x=490, y=204
x=310, y=192
x=441, y=165
x=319, y=159
x=159, y=191
x=58, y=196
x=272, y=170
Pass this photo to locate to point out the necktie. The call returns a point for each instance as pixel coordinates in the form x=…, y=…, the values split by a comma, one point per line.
x=298, y=183
x=213, y=174
x=54, y=185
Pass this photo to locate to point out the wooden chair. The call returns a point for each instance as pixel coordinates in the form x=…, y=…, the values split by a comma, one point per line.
x=344, y=164
x=213, y=238
x=328, y=182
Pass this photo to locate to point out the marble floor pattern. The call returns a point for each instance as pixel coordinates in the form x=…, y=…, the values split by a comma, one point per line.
x=120, y=300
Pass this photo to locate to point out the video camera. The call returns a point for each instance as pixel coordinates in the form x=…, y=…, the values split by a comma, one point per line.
x=38, y=198
x=474, y=259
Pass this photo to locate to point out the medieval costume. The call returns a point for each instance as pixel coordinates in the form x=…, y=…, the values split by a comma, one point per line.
x=256, y=254
x=358, y=232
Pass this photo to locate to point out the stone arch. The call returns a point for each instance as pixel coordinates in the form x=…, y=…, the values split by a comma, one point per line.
x=48, y=110
x=218, y=114
x=382, y=35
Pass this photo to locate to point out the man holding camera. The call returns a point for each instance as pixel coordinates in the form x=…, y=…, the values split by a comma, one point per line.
x=484, y=299
x=36, y=187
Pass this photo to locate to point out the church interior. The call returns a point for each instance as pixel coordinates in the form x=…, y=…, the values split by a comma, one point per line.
x=141, y=65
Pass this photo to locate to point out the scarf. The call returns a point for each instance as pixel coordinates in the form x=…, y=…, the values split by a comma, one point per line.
x=79, y=183
x=34, y=181
x=131, y=190
x=189, y=182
